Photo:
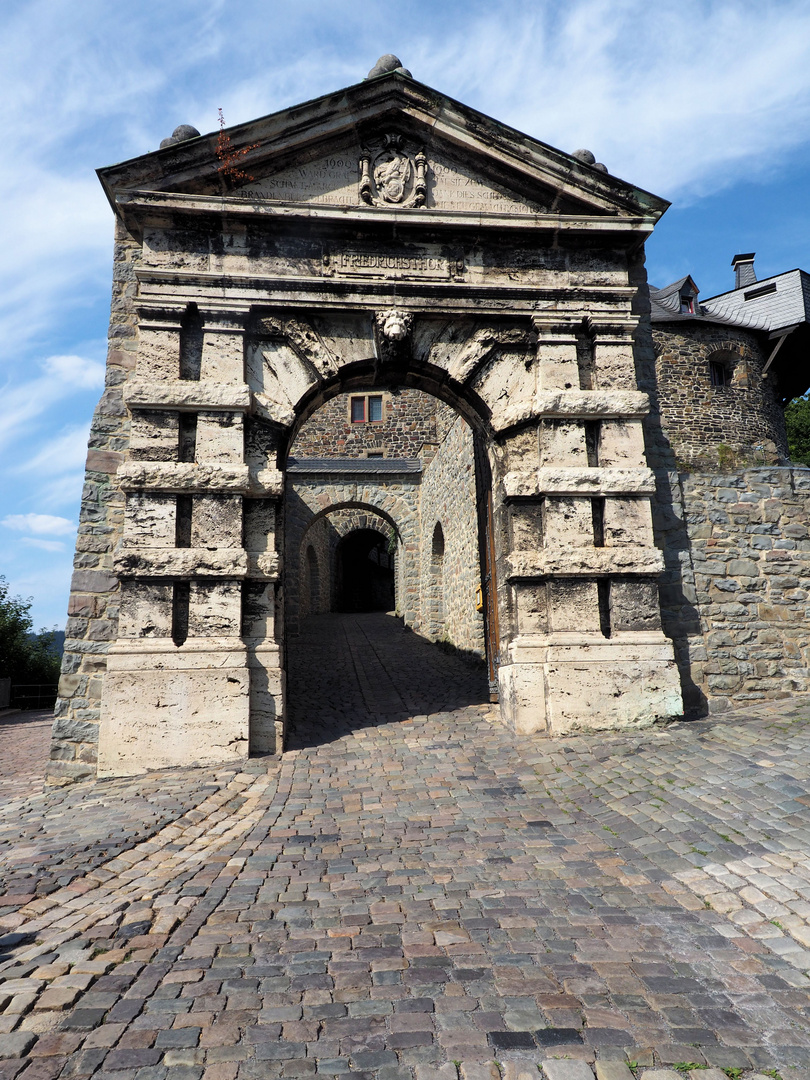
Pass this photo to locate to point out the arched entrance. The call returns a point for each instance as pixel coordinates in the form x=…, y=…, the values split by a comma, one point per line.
x=364, y=572
x=515, y=304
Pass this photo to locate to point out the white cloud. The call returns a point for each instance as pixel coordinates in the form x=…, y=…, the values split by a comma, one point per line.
x=62, y=491
x=46, y=545
x=679, y=99
x=60, y=455
x=44, y=524
x=76, y=371
x=64, y=376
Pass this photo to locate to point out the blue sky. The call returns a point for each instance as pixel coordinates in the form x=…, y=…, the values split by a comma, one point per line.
x=705, y=103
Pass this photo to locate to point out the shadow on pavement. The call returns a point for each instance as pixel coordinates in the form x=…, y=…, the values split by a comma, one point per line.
x=347, y=672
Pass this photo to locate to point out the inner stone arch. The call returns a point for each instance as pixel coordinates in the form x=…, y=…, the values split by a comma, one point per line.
x=319, y=553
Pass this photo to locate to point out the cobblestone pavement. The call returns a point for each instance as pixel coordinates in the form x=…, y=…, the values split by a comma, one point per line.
x=24, y=739
x=413, y=892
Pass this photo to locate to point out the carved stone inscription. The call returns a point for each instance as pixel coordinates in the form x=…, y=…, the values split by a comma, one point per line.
x=332, y=180
x=377, y=264
x=453, y=187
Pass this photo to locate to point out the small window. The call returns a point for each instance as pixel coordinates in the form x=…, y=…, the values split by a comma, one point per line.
x=367, y=409
x=719, y=373
x=687, y=305
x=763, y=290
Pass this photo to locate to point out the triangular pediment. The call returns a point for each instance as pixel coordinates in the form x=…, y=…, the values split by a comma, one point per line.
x=388, y=142
x=399, y=174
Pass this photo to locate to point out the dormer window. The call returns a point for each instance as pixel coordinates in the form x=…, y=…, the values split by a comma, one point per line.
x=687, y=297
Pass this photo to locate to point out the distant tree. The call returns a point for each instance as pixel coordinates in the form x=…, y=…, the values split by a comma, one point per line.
x=797, y=422
x=25, y=657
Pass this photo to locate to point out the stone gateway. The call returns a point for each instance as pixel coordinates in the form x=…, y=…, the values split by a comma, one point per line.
x=387, y=241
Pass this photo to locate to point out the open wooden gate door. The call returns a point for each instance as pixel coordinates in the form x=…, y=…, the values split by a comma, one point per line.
x=486, y=549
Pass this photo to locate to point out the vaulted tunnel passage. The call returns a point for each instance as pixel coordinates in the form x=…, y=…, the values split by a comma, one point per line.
x=364, y=572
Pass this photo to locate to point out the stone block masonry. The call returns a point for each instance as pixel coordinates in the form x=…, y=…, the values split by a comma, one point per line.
x=93, y=608
x=735, y=596
x=235, y=318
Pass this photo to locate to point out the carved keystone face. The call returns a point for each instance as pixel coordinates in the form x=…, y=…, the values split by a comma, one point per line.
x=396, y=325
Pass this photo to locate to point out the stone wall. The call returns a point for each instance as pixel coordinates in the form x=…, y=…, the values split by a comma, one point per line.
x=315, y=569
x=705, y=425
x=450, y=570
x=734, y=596
x=93, y=607
x=408, y=423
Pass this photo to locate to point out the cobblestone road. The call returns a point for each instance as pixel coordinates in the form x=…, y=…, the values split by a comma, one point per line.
x=414, y=892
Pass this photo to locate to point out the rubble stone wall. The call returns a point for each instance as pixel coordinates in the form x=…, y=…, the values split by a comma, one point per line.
x=449, y=579
x=740, y=423
x=316, y=569
x=408, y=422
x=735, y=596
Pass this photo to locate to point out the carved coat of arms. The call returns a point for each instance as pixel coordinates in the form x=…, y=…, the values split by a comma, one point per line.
x=392, y=176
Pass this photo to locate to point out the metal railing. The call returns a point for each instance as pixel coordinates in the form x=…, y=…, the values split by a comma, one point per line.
x=33, y=696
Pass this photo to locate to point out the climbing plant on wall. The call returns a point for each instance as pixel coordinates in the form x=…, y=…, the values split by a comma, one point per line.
x=797, y=422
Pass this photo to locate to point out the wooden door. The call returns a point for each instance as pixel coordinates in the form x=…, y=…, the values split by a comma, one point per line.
x=486, y=548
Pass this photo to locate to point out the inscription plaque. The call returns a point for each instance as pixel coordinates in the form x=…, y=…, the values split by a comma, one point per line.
x=376, y=264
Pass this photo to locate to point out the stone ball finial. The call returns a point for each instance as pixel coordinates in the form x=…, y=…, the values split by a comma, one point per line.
x=183, y=132
x=587, y=158
x=180, y=134
x=388, y=63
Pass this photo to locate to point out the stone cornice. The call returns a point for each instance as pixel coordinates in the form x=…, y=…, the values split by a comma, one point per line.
x=200, y=478
x=581, y=404
x=585, y=562
x=235, y=294
x=570, y=480
x=186, y=395
x=154, y=562
x=163, y=207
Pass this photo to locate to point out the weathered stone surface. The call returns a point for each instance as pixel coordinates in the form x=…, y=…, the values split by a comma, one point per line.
x=585, y=561
x=186, y=394
x=181, y=562
x=573, y=480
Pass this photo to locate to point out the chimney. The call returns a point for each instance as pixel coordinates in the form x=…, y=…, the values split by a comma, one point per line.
x=744, y=272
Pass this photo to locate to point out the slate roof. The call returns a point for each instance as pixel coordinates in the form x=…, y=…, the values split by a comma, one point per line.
x=665, y=307
x=776, y=302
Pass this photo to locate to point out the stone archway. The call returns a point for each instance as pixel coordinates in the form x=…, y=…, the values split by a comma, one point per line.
x=390, y=514
x=512, y=289
x=322, y=534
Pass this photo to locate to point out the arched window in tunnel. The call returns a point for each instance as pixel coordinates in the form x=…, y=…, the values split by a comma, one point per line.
x=365, y=572
x=436, y=599
x=314, y=580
